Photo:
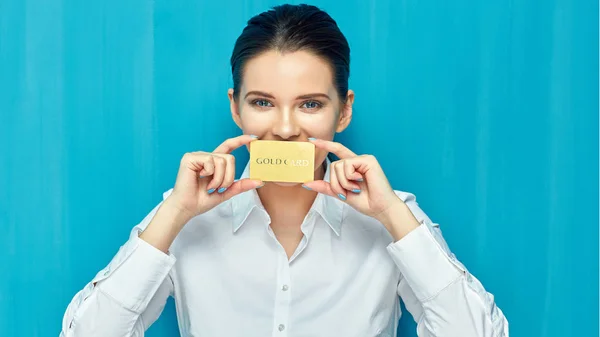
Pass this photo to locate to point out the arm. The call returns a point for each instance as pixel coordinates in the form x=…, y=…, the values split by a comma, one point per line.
x=438, y=291
x=443, y=297
x=127, y=296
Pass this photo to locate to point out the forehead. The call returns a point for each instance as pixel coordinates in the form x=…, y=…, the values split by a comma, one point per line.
x=288, y=74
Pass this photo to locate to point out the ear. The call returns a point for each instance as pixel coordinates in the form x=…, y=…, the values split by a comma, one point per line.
x=234, y=107
x=345, y=113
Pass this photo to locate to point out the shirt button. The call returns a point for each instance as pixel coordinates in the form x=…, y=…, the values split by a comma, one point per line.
x=285, y=287
x=281, y=327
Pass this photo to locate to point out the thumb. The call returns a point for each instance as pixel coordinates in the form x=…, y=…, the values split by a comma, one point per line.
x=320, y=186
x=241, y=186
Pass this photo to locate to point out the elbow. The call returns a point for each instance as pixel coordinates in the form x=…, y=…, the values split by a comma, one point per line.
x=484, y=317
x=461, y=311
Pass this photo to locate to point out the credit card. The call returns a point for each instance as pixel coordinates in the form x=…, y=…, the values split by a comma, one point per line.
x=282, y=161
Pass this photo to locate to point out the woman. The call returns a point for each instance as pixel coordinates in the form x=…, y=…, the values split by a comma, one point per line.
x=327, y=258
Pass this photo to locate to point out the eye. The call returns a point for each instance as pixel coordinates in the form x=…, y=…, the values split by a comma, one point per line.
x=262, y=103
x=311, y=105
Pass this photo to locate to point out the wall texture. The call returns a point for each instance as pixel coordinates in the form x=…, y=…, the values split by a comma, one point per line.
x=496, y=101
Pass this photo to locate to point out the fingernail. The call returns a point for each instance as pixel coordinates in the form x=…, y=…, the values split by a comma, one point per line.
x=254, y=136
x=343, y=197
x=308, y=188
x=201, y=177
x=312, y=138
x=356, y=190
x=261, y=185
x=360, y=179
x=211, y=191
x=222, y=189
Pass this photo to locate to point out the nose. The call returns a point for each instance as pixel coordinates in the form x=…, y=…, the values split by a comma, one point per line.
x=285, y=125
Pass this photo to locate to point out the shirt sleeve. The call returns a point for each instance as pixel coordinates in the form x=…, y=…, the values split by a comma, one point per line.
x=437, y=289
x=125, y=297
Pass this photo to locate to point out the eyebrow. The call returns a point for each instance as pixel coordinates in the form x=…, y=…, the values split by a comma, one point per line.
x=267, y=95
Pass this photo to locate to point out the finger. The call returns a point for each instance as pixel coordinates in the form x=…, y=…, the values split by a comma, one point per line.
x=229, y=175
x=335, y=184
x=320, y=186
x=209, y=167
x=241, y=186
x=340, y=173
x=336, y=148
x=218, y=175
x=350, y=169
x=233, y=143
x=190, y=166
x=200, y=162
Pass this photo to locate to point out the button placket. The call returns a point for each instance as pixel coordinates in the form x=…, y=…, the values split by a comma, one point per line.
x=282, y=298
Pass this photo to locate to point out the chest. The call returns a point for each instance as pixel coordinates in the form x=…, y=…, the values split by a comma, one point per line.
x=249, y=280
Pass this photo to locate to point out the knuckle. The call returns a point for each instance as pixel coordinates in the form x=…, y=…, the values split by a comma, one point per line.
x=219, y=159
x=369, y=157
x=187, y=158
x=230, y=158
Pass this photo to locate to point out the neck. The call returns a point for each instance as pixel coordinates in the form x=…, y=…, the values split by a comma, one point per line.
x=289, y=202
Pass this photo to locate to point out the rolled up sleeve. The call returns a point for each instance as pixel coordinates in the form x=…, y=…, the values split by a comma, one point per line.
x=135, y=283
x=438, y=290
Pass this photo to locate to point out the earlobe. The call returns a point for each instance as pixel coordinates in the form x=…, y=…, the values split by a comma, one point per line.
x=234, y=107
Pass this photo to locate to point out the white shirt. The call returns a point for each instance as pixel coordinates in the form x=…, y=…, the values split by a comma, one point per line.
x=229, y=276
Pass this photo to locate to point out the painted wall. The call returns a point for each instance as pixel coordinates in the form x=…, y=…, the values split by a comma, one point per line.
x=495, y=101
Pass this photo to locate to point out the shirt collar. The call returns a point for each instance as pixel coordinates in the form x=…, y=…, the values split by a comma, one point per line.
x=328, y=208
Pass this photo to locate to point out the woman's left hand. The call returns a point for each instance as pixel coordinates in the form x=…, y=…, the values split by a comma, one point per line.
x=359, y=181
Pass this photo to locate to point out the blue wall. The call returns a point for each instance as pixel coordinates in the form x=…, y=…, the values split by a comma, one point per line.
x=496, y=101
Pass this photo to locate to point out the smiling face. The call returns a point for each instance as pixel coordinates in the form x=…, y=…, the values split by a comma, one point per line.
x=290, y=97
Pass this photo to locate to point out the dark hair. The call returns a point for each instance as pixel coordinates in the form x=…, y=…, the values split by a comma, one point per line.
x=290, y=28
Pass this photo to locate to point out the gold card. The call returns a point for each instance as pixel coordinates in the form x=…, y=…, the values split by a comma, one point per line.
x=282, y=161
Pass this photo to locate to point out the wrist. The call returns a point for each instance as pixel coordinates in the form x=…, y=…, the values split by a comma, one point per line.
x=398, y=219
x=178, y=212
x=166, y=224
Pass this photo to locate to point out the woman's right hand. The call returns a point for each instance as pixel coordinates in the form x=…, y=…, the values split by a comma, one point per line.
x=206, y=179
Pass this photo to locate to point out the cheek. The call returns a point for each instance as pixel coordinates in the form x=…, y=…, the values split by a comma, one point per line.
x=320, y=126
x=254, y=123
